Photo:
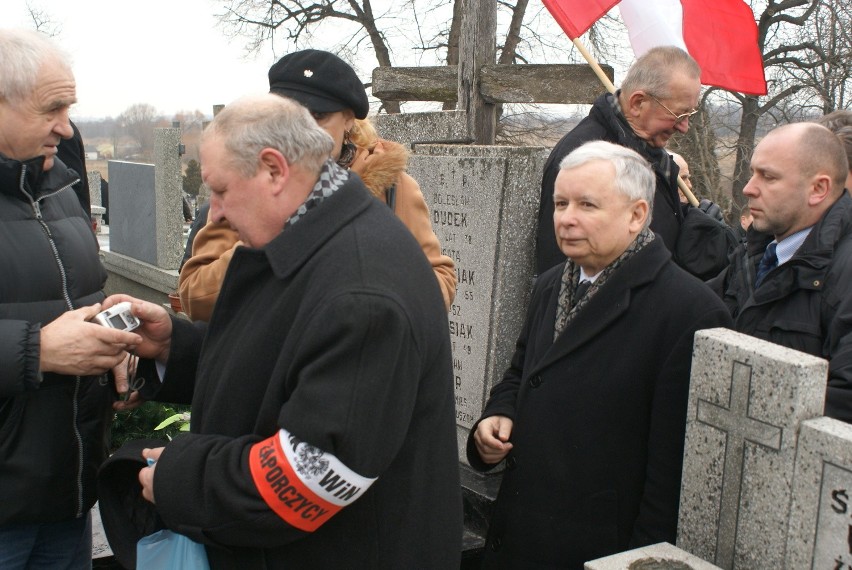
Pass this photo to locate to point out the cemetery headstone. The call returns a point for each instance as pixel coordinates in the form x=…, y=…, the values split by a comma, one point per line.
x=146, y=220
x=483, y=201
x=820, y=532
x=747, y=399
x=133, y=226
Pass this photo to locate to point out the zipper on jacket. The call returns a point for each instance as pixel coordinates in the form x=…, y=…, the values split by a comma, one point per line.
x=70, y=305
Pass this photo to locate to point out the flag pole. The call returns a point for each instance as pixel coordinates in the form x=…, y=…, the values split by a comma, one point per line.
x=611, y=88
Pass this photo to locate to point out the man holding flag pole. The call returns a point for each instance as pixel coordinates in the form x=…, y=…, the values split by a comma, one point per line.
x=658, y=96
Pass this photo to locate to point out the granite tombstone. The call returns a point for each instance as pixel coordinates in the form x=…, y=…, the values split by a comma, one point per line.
x=747, y=400
x=820, y=531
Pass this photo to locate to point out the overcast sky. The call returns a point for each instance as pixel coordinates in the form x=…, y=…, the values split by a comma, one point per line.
x=168, y=53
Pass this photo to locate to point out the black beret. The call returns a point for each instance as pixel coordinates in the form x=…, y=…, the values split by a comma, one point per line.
x=320, y=81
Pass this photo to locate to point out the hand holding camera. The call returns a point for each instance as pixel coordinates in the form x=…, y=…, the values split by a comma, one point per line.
x=118, y=317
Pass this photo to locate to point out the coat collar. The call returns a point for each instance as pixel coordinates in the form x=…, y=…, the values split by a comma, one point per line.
x=610, y=303
x=290, y=250
x=36, y=181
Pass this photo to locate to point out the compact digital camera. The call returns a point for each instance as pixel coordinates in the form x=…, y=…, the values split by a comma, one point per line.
x=118, y=317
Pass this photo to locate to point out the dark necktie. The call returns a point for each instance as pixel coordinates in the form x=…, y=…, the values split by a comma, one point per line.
x=582, y=287
x=768, y=262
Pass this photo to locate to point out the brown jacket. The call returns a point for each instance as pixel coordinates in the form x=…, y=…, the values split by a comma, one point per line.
x=384, y=166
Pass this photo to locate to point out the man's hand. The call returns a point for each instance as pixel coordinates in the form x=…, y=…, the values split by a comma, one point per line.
x=492, y=438
x=155, y=330
x=72, y=345
x=711, y=209
x=146, y=474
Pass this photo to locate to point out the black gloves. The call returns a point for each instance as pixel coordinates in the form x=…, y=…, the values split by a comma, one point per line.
x=711, y=209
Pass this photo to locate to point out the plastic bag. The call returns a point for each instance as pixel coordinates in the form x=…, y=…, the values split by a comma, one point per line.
x=167, y=550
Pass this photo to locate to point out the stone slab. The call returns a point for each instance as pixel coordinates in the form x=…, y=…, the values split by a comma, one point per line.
x=747, y=400
x=146, y=209
x=168, y=197
x=820, y=532
x=662, y=556
x=137, y=278
x=413, y=128
x=132, y=216
x=95, y=198
x=483, y=202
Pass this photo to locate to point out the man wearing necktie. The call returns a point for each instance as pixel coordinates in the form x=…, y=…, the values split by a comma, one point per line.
x=590, y=416
x=791, y=281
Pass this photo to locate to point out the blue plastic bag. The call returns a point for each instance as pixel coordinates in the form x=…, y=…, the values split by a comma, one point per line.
x=167, y=550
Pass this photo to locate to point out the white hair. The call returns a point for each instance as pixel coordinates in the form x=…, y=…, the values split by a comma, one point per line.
x=22, y=55
x=633, y=175
x=251, y=124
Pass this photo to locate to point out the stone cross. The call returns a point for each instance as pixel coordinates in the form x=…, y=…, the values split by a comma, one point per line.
x=747, y=400
x=739, y=427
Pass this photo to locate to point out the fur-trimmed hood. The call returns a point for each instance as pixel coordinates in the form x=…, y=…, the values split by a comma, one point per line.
x=380, y=167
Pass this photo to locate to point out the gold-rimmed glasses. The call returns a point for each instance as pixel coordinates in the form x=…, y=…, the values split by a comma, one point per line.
x=678, y=118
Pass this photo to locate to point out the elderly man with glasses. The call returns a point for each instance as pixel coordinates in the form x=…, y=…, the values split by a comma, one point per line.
x=657, y=98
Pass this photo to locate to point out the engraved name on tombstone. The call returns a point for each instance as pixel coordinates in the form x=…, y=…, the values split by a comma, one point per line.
x=482, y=203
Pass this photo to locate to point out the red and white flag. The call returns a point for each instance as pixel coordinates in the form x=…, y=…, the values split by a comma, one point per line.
x=720, y=34
x=577, y=16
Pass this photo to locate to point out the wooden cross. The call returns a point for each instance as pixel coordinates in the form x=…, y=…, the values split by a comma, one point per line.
x=478, y=84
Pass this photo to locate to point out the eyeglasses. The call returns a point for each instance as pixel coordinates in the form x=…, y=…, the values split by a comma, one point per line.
x=678, y=118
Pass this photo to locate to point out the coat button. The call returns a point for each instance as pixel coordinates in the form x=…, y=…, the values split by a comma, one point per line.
x=496, y=544
x=535, y=381
x=511, y=462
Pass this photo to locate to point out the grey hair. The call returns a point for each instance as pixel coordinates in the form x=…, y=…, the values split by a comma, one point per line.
x=653, y=71
x=251, y=124
x=22, y=55
x=633, y=175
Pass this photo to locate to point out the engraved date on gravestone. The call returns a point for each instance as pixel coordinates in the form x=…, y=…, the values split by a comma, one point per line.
x=833, y=546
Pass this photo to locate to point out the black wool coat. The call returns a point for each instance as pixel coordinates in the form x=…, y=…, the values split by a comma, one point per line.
x=599, y=417
x=335, y=332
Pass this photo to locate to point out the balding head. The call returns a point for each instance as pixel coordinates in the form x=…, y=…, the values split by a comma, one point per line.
x=820, y=152
x=798, y=172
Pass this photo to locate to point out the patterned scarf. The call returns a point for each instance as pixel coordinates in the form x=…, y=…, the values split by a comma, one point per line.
x=567, y=307
x=331, y=179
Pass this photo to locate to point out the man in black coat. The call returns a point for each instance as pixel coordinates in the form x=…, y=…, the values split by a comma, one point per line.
x=323, y=419
x=791, y=281
x=656, y=100
x=590, y=416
